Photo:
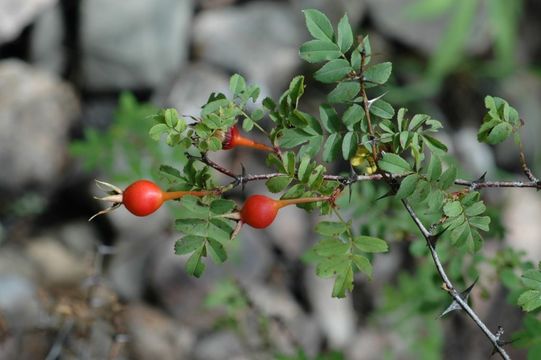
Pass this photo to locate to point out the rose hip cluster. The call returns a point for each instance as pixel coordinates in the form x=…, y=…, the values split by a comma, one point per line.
x=143, y=197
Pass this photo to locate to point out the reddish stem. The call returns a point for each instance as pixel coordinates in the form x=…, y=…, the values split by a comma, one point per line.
x=286, y=202
x=172, y=195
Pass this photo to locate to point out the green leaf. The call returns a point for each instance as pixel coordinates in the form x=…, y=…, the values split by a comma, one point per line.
x=170, y=172
x=382, y=109
x=188, y=244
x=407, y=186
x=356, y=60
x=291, y=138
x=170, y=117
x=448, y=178
x=315, y=51
x=452, y=208
x=222, y=206
x=475, y=209
x=532, y=279
x=237, y=84
x=316, y=177
x=499, y=133
x=394, y=164
x=288, y=159
x=343, y=281
x=331, y=149
x=434, y=168
x=363, y=264
x=333, y=71
x=331, y=247
x=194, y=265
x=318, y=25
x=434, y=144
x=370, y=244
x=257, y=115
x=344, y=92
x=529, y=300
x=353, y=115
x=296, y=90
x=330, y=228
x=417, y=121
x=404, y=137
x=214, y=106
x=378, y=74
x=349, y=145
x=278, y=184
x=216, y=250
x=480, y=222
x=345, y=34
x=247, y=124
x=305, y=167
x=157, y=130
x=329, y=118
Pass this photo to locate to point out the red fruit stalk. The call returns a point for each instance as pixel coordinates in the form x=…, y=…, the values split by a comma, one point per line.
x=141, y=198
x=233, y=138
x=259, y=211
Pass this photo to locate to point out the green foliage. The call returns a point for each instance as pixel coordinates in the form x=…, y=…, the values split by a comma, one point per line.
x=340, y=254
x=125, y=150
x=530, y=299
x=529, y=337
x=501, y=25
x=351, y=126
x=207, y=231
x=500, y=121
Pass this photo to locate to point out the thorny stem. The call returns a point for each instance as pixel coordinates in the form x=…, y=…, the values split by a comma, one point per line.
x=525, y=167
x=429, y=237
x=473, y=185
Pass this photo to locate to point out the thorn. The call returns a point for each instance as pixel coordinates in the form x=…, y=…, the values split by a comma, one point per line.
x=481, y=179
x=351, y=179
x=464, y=295
x=434, y=237
x=243, y=176
x=389, y=193
x=370, y=102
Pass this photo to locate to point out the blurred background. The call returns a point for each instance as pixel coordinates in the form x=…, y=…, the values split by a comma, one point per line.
x=78, y=80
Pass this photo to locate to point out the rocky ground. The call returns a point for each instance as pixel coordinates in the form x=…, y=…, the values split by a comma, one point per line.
x=113, y=289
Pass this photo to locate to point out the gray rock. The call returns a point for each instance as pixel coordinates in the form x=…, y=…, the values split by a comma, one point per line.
x=475, y=156
x=355, y=9
x=289, y=326
x=153, y=334
x=19, y=302
x=46, y=45
x=57, y=265
x=15, y=15
x=192, y=88
x=289, y=231
x=79, y=238
x=183, y=295
x=14, y=262
x=219, y=346
x=336, y=317
x=521, y=220
x=36, y=112
x=260, y=40
x=127, y=268
x=139, y=43
x=391, y=17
